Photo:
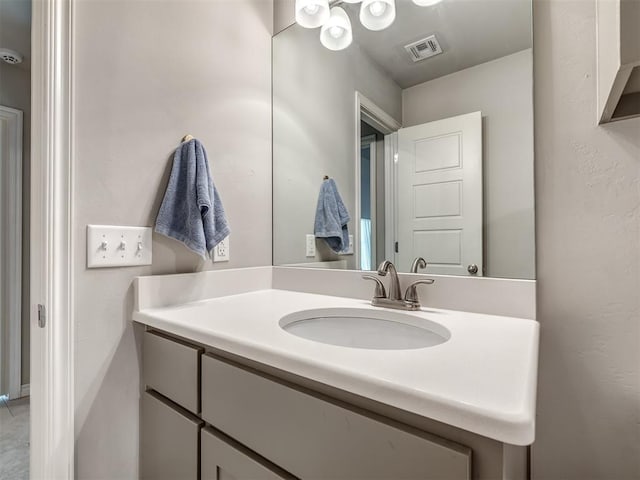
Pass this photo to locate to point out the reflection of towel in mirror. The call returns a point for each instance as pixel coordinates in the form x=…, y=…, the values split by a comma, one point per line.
x=332, y=217
x=191, y=210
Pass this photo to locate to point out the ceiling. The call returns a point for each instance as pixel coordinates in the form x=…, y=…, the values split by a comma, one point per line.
x=15, y=29
x=470, y=32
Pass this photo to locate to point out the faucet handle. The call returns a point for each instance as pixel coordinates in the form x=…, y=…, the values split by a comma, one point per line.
x=418, y=262
x=411, y=294
x=380, y=290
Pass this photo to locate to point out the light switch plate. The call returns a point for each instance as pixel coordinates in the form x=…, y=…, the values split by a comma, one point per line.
x=311, y=245
x=221, y=252
x=113, y=246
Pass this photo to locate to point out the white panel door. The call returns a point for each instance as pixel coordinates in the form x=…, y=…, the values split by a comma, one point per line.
x=439, y=195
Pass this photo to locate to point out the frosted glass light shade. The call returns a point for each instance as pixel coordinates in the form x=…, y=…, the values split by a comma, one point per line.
x=377, y=14
x=336, y=33
x=312, y=13
x=426, y=3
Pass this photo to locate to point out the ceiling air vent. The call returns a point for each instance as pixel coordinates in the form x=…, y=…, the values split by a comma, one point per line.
x=10, y=56
x=425, y=48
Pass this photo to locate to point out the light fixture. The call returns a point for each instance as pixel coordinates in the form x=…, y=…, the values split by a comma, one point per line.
x=336, y=33
x=312, y=13
x=426, y=3
x=377, y=14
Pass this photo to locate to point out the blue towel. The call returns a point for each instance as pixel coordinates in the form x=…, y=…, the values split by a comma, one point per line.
x=191, y=211
x=332, y=217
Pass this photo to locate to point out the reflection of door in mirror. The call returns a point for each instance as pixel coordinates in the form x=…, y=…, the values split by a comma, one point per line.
x=439, y=199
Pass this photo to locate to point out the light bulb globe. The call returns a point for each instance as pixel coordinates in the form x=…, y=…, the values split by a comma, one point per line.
x=426, y=3
x=377, y=14
x=312, y=13
x=336, y=33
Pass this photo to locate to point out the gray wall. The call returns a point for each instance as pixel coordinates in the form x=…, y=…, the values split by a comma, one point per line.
x=588, y=260
x=502, y=90
x=146, y=74
x=15, y=92
x=314, y=131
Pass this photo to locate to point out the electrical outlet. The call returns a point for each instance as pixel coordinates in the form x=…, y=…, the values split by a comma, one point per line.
x=311, y=245
x=349, y=250
x=221, y=251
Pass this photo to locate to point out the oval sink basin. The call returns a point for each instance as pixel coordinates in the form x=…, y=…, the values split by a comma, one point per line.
x=361, y=328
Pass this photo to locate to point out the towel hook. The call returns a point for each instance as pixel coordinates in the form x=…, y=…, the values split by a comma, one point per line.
x=326, y=177
x=187, y=138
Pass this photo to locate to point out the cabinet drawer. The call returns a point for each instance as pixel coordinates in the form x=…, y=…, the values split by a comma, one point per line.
x=314, y=437
x=168, y=440
x=172, y=368
x=224, y=459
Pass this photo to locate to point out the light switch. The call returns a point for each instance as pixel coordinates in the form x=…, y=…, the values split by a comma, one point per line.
x=311, y=245
x=111, y=246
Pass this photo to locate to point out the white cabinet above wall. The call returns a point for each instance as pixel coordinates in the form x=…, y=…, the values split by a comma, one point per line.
x=618, y=43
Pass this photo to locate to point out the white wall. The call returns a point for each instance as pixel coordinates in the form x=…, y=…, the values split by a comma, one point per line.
x=15, y=92
x=146, y=74
x=502, y=90
x=588, y=260
x=314, y=131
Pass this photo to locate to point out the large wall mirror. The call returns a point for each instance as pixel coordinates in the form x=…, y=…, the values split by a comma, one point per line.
x=425, y=131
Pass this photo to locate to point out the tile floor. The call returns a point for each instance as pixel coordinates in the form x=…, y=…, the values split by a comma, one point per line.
x=14, y=439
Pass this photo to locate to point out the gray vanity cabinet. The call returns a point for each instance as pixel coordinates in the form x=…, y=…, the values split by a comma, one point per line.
x=317, y=438
x=169, y=440
x=224, y=459
x=208, y=417
x=169, y=425
x=172, y=368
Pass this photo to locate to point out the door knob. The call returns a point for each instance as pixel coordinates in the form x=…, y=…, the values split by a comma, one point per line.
x=472, y=269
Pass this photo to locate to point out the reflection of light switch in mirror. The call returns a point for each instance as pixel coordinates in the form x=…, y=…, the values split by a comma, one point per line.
x=112, y=246
x=311, y=246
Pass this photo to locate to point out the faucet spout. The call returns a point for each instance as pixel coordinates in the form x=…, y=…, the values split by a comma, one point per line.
x=394, y=284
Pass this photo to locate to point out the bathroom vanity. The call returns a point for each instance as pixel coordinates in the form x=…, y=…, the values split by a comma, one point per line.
x=228, y=392
x=247, y=376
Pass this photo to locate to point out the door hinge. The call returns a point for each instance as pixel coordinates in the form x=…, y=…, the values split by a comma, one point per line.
x=396, y=247
x=42, y=315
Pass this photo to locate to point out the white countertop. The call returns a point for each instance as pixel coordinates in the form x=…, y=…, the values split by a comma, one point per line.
x=483, y=379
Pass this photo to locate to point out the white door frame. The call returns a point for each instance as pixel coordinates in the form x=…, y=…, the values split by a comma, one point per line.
x=52, y=346
x=11, y=246
x=376, y=117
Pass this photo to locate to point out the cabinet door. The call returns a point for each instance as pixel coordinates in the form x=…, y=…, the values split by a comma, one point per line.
x=312, y=437
x=168, y=440
x=224, y=459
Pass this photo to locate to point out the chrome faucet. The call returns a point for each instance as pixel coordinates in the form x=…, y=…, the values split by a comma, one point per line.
x=394, y=299
x=418, y=262
x=394, y=285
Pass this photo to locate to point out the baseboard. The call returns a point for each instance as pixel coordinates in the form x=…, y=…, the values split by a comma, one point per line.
x=25, y=389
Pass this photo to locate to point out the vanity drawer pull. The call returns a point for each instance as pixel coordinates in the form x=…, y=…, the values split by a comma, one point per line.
x=172, y=368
